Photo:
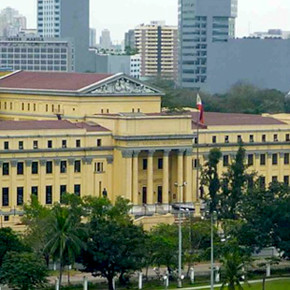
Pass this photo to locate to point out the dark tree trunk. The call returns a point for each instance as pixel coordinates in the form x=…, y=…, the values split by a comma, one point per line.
x=110, y=283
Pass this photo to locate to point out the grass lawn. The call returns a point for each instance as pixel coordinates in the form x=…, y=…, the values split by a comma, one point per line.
x=271, y=285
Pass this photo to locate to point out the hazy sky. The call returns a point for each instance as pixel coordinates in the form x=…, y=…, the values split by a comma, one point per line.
x=120, y=15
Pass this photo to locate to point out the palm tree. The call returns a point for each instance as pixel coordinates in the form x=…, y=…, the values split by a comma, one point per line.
x=64, y=236
x=233, y=265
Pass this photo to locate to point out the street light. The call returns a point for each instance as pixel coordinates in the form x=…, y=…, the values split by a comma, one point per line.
x=213, y=218
x=180, y=194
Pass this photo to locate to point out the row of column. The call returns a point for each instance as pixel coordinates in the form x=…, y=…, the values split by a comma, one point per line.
x=184, y=174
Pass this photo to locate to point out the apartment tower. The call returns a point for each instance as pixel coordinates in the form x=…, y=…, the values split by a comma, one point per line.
x=157, y=45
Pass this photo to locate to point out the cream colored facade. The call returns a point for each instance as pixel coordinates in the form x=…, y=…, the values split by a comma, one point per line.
x=139, y=154
x=157, y=45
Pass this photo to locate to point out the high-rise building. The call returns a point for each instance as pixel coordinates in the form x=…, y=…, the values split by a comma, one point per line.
x=36, y=54
x=157, y=45
x=202, y=22
x=130, y=39
x=105, y=39
x=11, y=22
x=67, y=19
x=93, y=37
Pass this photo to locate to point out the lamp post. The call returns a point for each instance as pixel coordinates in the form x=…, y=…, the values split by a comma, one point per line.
x=213, y=218
x=180, y=188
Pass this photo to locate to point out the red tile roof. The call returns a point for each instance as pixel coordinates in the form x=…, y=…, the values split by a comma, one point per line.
x=50, y=80
x=49, y=125
x=233, y=119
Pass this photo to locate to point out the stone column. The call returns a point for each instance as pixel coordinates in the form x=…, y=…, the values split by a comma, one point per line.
x=127, y=182
x=165, y=185
x=56, y=177
x=188, y=194
x=135, y=178
x=41, y=189
x=12, y=190
x=180, y=174
x=70, y=174
x=27, y=187
x=150, y=191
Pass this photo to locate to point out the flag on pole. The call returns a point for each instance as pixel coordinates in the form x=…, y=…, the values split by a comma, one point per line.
x=199, y=106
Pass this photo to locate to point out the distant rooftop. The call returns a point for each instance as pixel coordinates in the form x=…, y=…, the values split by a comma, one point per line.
x=49, y=125
x=50, y=80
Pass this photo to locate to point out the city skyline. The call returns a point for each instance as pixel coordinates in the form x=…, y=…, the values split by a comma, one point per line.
x=252, y=16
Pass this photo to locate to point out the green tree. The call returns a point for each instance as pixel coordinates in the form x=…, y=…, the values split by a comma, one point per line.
x=234, y=184
x=164, y=242
x=115, y=246
x=234, y=263
x=23, y=271
x=36, y=218
x=64, y=230
x=10, y=241
x=210, y=178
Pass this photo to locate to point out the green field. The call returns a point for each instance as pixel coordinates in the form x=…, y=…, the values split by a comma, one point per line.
x=271, y=285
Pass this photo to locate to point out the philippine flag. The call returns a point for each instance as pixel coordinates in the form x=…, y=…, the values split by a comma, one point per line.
x=199, y=106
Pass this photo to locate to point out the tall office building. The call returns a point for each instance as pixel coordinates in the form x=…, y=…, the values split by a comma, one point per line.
x=11, y=22
x=67, y=19
x=202, y=22
x=105, y=39
x=93, y=37
x=157, y=45
x=130, y=39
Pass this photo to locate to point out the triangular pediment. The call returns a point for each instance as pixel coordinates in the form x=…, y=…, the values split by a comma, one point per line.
x=122, y=84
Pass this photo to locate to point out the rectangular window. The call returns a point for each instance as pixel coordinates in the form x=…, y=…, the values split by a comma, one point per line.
x=48, y=194
x=263, y=138
x=20, y=145
x=275, y=137
x=20, y=168
x=6, y=218
x=35, y=144
x=5, y=196
x=227, y=139
x=286, y=180
x=262, y=181
x=274, y=178
x=99, y=142
x=20, y=191
x=287, y=137
x=251, y=139
x=49, y=144
x=34, y=190
x=6, y=145
x=239, y=139
x=77, y=166
x=144, y=164
x=250, y=159
x=275, y=159
x=78, y=143
x=286, y=158
x=99, y=167
x=62, y=192
x=77, y=189
x=49, y=167
x=63, y=166
x=34, y=167
x=5, y=168
x=63, y=144
x=213, y=139
x=160, y=163
x=225, y=160
x=263, y=159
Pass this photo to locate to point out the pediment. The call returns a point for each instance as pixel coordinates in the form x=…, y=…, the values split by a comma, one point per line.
x=122, y=85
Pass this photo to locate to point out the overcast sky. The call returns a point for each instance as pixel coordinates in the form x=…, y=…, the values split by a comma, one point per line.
x=120, y=15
